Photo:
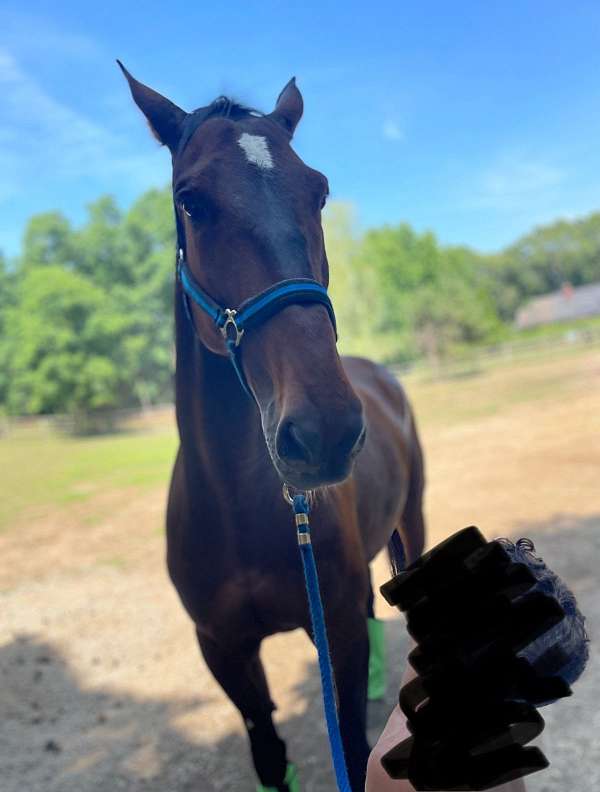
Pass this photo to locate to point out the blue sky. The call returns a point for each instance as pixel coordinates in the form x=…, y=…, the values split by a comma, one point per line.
x=475, y=119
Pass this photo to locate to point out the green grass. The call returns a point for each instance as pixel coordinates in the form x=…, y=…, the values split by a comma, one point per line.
x=42, y=469
x=496, y=386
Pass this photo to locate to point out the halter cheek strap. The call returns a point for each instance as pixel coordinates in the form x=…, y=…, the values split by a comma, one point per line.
x=233, y=323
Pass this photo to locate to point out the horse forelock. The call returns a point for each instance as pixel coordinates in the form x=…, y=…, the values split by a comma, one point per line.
x=221, y=107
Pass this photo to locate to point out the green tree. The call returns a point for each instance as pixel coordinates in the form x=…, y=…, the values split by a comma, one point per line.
x=353, y=284
x=101, y=255
x=48, y=240
x=64, y=346
x=7, y=299
x=148, y=238
x=90, y=325
x=454, y=309
x=544, y=259
x=428, y=298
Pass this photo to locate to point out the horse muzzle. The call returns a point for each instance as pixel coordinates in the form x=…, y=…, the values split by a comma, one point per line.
x=307, y=455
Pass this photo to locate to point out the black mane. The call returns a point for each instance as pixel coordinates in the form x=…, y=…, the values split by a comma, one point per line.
x=229, y=108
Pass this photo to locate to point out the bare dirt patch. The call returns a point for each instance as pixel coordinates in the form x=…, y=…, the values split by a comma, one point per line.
x=537, y=463
x=115, y=528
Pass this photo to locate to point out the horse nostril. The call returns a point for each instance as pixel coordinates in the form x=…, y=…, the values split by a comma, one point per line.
x=354, y=440
x=297, y=444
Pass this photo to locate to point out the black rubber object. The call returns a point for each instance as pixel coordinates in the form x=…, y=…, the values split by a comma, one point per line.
x=472, y=709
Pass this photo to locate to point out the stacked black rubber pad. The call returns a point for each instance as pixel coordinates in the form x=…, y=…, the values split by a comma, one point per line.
x=472, y=708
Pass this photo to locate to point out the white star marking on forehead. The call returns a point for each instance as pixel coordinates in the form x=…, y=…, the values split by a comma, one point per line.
x=256, y=150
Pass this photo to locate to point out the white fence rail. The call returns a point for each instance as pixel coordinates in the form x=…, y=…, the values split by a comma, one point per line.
x=517, y=350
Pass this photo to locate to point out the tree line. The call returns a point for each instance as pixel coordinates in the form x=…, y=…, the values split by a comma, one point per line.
x=86, y=313
x=401, y=295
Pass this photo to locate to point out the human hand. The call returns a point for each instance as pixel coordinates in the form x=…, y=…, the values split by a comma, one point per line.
x=394, y=732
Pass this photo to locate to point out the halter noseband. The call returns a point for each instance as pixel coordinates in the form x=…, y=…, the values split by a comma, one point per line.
x=233, y=322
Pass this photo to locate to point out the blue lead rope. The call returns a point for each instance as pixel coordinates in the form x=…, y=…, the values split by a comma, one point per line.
x=300, y=506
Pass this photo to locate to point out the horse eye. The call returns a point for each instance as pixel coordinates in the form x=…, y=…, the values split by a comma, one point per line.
x=324, y=200
x=191, y=205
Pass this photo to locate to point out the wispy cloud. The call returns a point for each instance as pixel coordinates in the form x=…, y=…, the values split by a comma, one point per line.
x=516, y=181
x=33, y=120
x=392, y=131
x=28, y=33
x=43, y=141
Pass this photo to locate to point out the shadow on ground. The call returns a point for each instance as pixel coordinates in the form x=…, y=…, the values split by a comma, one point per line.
x=92, y=740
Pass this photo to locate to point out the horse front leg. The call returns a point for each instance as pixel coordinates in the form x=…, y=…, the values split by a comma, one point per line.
x=239, y=671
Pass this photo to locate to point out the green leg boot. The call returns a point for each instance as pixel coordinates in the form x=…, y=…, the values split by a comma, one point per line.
x=377, y=669
x=291, y=782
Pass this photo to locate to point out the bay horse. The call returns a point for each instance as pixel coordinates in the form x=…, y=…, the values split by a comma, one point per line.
x=248, y=215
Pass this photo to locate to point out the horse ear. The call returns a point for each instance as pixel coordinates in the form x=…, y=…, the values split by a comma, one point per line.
x=288, y=110
x=164, y=117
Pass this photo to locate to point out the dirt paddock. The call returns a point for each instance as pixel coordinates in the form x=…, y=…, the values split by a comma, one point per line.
x=102, y=686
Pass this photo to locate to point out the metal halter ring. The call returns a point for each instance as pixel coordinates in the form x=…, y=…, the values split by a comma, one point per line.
x=230, y=313
x=289, y=498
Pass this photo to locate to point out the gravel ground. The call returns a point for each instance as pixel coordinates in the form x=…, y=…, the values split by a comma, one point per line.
x=107, y=691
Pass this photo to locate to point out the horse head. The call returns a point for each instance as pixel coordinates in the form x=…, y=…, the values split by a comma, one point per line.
x=249, y=213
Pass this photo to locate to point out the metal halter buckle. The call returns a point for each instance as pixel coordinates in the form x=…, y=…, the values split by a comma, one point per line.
x=230, y=313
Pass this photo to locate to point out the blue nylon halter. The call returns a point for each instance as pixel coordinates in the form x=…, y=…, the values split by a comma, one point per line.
x=233, y=323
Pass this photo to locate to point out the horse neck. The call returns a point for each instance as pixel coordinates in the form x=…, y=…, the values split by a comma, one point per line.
x=219, y=424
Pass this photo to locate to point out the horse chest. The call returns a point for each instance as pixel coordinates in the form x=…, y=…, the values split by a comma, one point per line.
x=243, y=577
x=246, y=601
x=271, y=602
